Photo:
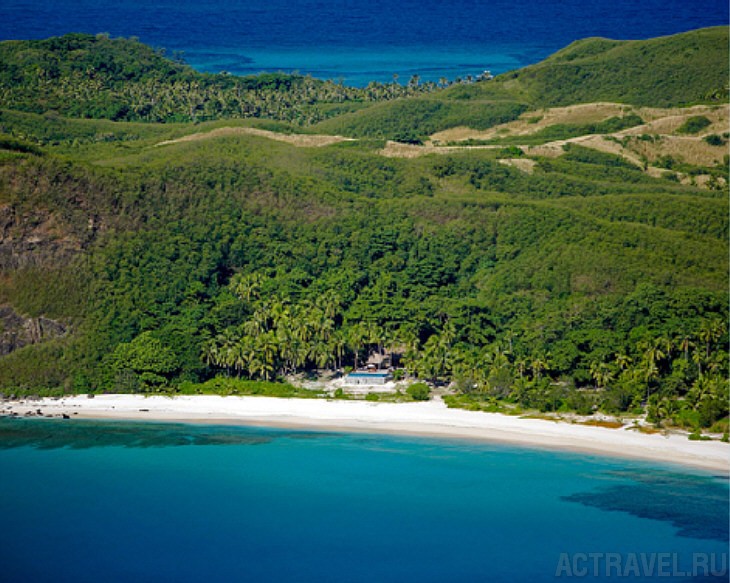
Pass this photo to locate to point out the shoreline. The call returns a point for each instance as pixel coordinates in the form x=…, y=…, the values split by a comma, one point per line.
x=427, y=419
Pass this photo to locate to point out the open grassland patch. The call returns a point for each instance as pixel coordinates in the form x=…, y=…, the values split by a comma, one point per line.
x=298, y=140
x=657, y=146
x=531, y=122
x=525, y=164
x=669, y=120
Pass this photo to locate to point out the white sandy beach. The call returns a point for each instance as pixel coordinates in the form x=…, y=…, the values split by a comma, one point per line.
x=429, y=418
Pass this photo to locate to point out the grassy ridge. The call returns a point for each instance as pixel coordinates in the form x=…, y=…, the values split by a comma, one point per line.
x=679, y=70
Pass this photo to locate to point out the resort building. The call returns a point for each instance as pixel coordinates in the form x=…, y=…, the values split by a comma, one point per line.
x=368, y=378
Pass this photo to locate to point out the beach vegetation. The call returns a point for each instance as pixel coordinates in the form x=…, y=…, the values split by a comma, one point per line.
x=227, y=386
x=419, y=391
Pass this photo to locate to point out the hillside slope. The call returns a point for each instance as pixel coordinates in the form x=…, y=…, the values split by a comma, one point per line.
x=679, y=70
x=144, y=258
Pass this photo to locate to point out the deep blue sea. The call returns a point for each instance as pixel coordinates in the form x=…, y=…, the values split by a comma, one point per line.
x=87, y=501
x=359, y=41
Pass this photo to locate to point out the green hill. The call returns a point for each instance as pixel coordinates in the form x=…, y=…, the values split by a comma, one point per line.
x=577, y=282
x=680, y=70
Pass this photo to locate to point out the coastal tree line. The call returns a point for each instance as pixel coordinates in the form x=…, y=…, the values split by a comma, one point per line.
x=87, y=76
x=676, y=376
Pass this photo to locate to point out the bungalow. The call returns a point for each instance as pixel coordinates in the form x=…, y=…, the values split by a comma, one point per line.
x=368, y=378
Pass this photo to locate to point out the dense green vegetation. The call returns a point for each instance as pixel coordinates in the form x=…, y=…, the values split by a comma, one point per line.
x=201, y=266
x=86, y=76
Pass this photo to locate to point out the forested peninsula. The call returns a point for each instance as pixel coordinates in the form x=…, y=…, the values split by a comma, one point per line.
x=552, y=239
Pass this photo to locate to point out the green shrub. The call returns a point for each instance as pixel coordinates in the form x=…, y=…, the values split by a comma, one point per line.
x=419, y=392
x=687, y=418
x=694, y=124
x=721, y=426
x=697, y=436
x=510, y=152
x=715, y=140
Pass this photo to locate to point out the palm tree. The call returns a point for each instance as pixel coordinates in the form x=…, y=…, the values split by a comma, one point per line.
x=496, y=359
x=338, y=343
x=211, y=352
x=267, y=348
x=654, y=353
x=666, y=344
x=408, y=338
x=521, y=365
x=651, y=372
x=509, y=336
x=703, y=389
x=667, y=408
x=374, y=335
x=623, y=361
x=355, y=338
x=711, y=331
x=329, y=302
x=321, y=354
x=601, y=373
x=538, y=366
x=243, y=354
x=287, y=350
x=248, y=287
x=389, y=339
x=698, y=358
x=227, y=342
x=685, y=344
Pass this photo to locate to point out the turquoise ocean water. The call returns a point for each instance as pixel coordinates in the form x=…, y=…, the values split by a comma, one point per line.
x=360, y=41
x=119, y=501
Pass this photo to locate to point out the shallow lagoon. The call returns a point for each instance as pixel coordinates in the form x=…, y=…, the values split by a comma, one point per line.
x=122, y=501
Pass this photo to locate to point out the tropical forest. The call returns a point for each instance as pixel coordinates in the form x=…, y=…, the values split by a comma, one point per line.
x=550, y=239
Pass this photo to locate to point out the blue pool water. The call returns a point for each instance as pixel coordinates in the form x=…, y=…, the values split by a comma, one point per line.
x=360, y=41
x=118, y=501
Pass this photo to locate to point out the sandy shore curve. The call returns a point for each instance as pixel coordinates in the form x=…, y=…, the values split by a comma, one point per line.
x=430, y=418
